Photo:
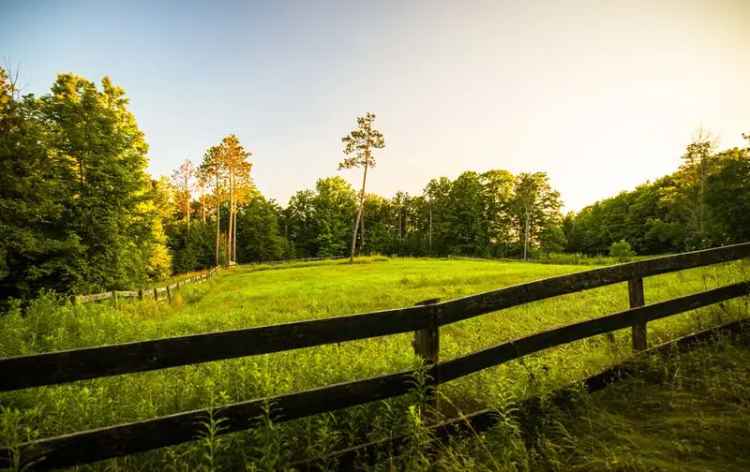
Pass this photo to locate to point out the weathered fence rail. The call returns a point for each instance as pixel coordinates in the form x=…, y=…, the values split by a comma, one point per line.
x=155, y=293
x=89, y=446
x=482, y=420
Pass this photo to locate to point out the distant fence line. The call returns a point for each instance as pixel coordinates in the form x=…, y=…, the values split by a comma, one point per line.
x=165, y=292
x=156, y=293
x=424, y=319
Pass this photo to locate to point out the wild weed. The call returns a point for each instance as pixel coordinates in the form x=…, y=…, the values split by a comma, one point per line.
x=211, y=441
x=269, y=450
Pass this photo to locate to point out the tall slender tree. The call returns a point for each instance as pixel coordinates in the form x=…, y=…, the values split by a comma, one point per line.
x=226, y=164
x=235, y=160
x=358, y=147
x=202, y=184
x=212, y=169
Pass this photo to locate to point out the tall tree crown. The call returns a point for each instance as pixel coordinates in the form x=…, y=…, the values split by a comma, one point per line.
x=360, y=142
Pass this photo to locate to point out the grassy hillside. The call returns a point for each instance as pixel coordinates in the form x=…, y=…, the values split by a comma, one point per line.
x=261, y=295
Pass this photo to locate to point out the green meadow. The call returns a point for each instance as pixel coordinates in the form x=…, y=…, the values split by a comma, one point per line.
x=257, y=295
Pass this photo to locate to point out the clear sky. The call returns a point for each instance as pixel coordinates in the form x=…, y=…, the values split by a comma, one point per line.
x=602, y=95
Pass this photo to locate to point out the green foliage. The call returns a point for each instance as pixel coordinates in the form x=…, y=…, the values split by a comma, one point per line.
x=258, y=232
x=535, y=207
x=37, y=247
x=319, y=223
x=159, y=264
x=75, y=198
x=465, y=221
x=94, y=131
x=552, y=239
x=621, y=250
x=360, y=142
x=728, y=196
x=704, y=203
x=579, y=259
x=474, y=215
x=194, y=249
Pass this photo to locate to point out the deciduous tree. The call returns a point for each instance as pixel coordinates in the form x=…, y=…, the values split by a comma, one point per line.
x=535, y=206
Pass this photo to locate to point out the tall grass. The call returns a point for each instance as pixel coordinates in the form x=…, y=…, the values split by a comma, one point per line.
x=255, y=296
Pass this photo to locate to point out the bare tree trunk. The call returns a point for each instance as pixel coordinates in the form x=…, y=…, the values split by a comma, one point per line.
x=218, y=219
x=400, y=223
x=230, y=221
x=234, y=231
x=203, y=206
x=406, y=221
x=231, y=246
x=362, y=232
x=187, y=201
x=359, y=211
x=701, y=206
x=354, y=235
x=430, y=233
x=526, y=237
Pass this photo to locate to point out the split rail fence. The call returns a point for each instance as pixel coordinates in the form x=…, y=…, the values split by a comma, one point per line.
x=424, y=319
x=156, y=293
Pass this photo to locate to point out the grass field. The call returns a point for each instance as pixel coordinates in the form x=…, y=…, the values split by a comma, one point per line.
x=684, y=412
x=688, y=414
x=259, y=295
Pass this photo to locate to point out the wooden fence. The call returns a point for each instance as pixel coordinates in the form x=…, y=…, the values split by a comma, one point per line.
x=482, y=420
x=425, y=319
x=165, y=293
x=156, y=293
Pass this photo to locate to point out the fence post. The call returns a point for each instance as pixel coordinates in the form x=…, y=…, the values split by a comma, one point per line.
x=427, y=346
x=140, y=294
x=637, y=298
x=169, y=294
x=114, y=298
x=156, y=294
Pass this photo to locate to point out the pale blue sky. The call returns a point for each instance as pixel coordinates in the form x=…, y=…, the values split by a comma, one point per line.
x=600, y=94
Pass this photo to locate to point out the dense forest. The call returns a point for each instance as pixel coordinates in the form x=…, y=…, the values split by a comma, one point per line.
x=79, y=212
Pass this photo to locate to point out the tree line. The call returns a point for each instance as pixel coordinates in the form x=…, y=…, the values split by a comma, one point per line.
x=79, y=213
x=704, y=203
x=494, y=213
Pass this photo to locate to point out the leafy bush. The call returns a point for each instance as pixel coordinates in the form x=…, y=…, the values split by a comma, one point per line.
x=621, y=250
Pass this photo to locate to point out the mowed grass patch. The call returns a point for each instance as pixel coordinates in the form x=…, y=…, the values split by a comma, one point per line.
x=249, y=296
